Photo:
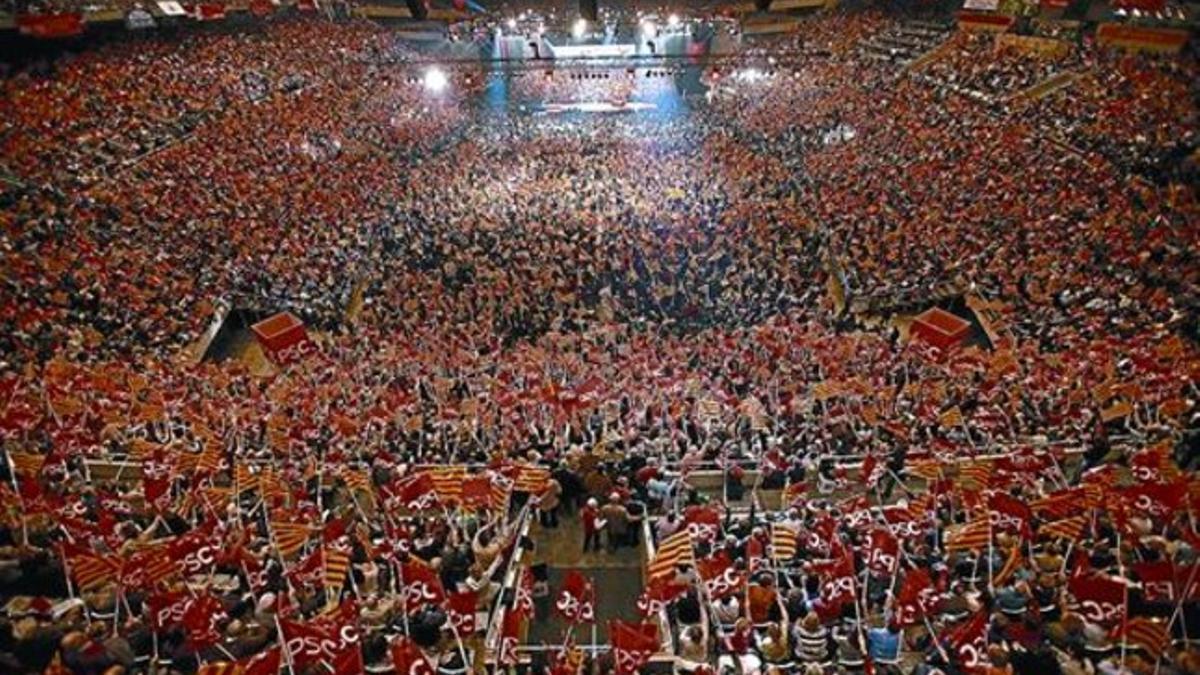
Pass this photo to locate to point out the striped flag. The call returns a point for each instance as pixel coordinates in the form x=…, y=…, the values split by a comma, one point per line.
x=674, y=550
x=1148, y=634
x=973, y=535
x=337, y=566
x=1067, y=528
x=975, y=476
x=783, y=542
x=825, y=390
x=1011, y=564
x=209, y=460
x=89, y=569
x=1116, y=411
x=244, y=479
x=952, y=417
x=929, y=470
x=357, y=479
x=271, y=486
x=447, y=482
x=289, y=537
x=532, y=479
x=26, y=464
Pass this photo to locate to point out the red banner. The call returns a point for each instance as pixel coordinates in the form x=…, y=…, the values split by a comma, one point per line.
x=282, y=336
x=261, y=8
x=50, y=25
x=1137, y=37
x=978, y=21
x=208, y=11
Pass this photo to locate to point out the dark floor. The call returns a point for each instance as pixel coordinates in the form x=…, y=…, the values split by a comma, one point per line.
x=617, y=578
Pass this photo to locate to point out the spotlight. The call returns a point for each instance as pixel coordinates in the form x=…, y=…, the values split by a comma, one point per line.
x=579, y=28
x=648, y=28
x=512, y=24
x=435, y=80
x=673, y=20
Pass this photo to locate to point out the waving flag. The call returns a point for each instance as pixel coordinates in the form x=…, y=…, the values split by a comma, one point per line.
x=290, y=537
x=201, y=620
x=783, y=542
x=839, y=581
x=577, y=601
x=1147, y=633
x=720, y=576
x=532, y=479
x=1009, y=514
x=974, y=535
x=510, y=635
x=633, y=644
x=421, y=585
x=882, y=552
x=460, y=611
x=1068, y=528
x=331, y=638
x=337, y=567
x=164, y=610
x=418, y=492
x=673, y=551
x=969, y=642
x=1101, y=599
x=89, y=569
x=703, y=522
x=657, y=595
x=916, y=598
x=523, y=602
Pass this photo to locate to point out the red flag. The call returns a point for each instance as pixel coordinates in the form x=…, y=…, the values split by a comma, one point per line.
x=1009, y=514
x=703, y=523
x=421, y=585
x=523, y=602
x=201, y=618
x=510, y=634
x=196, y=551
x=164, y=610
x=969, y=643
x=882, y=552
x=56, y=25
x=460, y=610
x=633, y=644
x=720, y=576
x=325, y=639
x=577, y=602
x=477, y=492
x=1158, y=579
x=838, y=587
x=408, y=659
x=1157, y=500
x=1101, y=599
x=916, y=598
x=657, y=594
x=418, y=492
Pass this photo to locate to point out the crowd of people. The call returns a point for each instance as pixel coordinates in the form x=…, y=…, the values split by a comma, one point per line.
x=579, y=306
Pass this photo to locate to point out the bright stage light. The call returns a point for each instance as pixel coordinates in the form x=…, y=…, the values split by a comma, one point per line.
x=435, y=80
x=512, y=24
x=648, y=28
x=673, y=20
x=579, y=28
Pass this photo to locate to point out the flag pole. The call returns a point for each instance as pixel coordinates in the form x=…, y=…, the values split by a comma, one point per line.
x=287, y=652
